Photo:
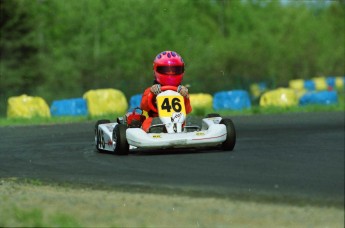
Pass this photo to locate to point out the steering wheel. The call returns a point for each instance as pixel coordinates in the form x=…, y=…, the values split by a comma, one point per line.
x=151, y=97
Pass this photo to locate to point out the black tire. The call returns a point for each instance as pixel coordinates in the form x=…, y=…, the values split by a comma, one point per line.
x=119, y=136
x=230, y=141
x=98, y=137
x=212, y=115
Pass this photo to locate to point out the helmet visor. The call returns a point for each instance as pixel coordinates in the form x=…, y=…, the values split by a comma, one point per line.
x=170, y=70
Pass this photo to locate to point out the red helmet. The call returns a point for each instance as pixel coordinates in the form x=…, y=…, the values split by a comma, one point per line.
x=168, y=68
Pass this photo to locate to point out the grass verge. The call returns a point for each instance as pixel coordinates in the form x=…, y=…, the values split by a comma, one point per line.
x=38, y=205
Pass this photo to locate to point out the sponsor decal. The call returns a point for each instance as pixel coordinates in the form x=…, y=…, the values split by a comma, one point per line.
x=156, y=136
x=176, y=116
x=210, y=137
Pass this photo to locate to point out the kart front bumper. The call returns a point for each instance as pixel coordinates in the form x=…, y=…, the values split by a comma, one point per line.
x=215, y=135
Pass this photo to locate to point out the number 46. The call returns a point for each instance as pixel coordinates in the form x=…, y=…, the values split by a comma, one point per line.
x=175, y=104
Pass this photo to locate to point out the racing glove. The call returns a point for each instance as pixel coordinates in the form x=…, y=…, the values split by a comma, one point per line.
x=183, y=91
x=156, y=89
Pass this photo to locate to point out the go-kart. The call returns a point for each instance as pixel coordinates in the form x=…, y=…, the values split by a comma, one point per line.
x=172, y=132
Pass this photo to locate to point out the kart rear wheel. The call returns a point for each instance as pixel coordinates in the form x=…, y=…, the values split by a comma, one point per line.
x=230, y=141
x=119, y=137
x=98, y=135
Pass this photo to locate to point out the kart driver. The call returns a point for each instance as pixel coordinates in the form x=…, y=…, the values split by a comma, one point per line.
x=168, y=70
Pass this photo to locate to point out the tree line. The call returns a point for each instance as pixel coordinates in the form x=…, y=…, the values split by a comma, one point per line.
x=59, y=49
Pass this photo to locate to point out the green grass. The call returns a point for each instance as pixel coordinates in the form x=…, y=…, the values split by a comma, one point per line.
x=28, y=204
x=40, y=120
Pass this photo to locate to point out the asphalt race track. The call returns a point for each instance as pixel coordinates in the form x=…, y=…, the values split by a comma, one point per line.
x=290, y=155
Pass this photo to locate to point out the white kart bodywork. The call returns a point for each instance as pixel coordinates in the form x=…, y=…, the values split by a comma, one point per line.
x=212, y=132
x=212, y=136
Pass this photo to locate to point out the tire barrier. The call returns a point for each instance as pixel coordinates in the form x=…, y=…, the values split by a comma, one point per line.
x=257, y=89
x=135, y=101
x=301, y=84
x=309, y=85
x=25, y=106
x=319, y=97
x=318, y=83
x=69, y=107
x=106, y=101
x=231, y=100
x=337, y=83
x=340, y=83
x=297, y=84
x=331, y=82
x=201, y=102
x=281, y=97
x=318, y=90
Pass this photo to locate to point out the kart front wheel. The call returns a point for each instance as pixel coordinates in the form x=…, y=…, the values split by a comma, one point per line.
x=230, y=141
x=119, y=137
x=99, y=140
